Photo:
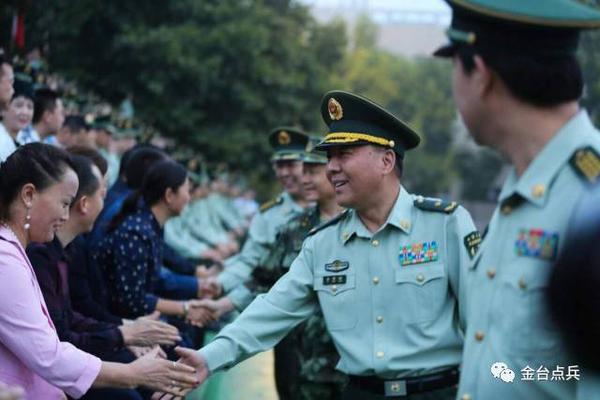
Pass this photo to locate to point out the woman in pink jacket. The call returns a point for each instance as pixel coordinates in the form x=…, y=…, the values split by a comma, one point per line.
x=37, y=185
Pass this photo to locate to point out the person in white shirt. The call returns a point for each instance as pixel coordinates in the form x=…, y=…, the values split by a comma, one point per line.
x=48, y=117
x=15, y=117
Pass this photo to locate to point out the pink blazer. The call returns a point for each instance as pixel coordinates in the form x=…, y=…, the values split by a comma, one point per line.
x=31, y=355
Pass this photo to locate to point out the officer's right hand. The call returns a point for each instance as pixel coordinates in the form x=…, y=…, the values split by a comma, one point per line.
x=193, y=359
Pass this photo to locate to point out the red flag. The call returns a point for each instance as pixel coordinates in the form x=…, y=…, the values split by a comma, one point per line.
x=18, y=29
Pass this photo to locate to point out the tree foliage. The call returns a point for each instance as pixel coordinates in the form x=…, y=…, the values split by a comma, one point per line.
x=418, y=91
x=217, y=75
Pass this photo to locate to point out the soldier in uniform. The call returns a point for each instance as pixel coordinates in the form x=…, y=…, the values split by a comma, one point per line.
x=517, y=84
x=289, y=145
x=386, y=273
x=308, y=354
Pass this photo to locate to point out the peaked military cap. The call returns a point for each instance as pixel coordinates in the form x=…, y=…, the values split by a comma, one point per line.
x=549, y=27
x=356, y=120
x=288, y=143
x=104, y=123
x=314, y=156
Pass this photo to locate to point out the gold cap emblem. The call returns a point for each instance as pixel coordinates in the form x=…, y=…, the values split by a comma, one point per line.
x=284, y=138
x=335, y=109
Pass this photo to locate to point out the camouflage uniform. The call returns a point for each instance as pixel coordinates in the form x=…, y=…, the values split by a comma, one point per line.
x=312, y=347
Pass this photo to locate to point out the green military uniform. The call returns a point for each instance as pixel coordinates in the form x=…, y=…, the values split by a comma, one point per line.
x=313, y=357
x=289, y=144
x=203, y=224
x=314, y=348
x=180, y=238
x=507, y=319
x=389, y=298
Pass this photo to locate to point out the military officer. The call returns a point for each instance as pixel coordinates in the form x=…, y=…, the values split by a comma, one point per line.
x=386, y=273
x=517, y=84
x=314, y=349
x=305, y=359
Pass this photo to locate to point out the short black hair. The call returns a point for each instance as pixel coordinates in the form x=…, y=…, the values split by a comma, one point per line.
x=97, y=159
x=36, y=163
x=88, y=182
x=43, y=100
x=541, y=80
x=76, y=123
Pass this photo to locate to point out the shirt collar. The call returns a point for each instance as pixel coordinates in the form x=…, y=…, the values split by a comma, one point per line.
x=535, y=182
x=400, y=217
x=290, y=204
x=9, y=235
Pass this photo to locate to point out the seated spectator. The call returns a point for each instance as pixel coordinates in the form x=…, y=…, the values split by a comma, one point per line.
x=37, y=185
x=137, y=164
x=48, y=117
x=15, y=117
x=75, y=132
x=132, y=251
x=6, y=81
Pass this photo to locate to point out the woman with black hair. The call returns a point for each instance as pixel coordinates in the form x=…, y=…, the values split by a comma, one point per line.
x=131, y=253
x=15, y=117
x=37, y=186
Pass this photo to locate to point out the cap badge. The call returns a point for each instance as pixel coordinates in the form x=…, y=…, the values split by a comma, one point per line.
x=284, y=138
x=335, y=109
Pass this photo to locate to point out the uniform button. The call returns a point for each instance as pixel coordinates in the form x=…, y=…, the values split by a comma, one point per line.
x=522, y=283
x=380, y=354
x=506, y=210
x=375, y=242
x=376, y=280
x=420, y=278
x=334, y=288
x=404, y=224
x=379, y=319
x=466, y=396
x=491, y=272
x=479, y=336
x=538, y=190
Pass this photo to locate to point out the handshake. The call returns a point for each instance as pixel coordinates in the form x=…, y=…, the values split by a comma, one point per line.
x=210, y=290
x=190, y=359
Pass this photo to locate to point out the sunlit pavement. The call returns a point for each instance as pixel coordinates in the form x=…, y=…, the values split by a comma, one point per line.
x=249, y=380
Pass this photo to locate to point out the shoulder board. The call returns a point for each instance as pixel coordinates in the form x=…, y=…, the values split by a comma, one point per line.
x=331, y=222
x=270, y=204
x=435, y=205
x=586, y=163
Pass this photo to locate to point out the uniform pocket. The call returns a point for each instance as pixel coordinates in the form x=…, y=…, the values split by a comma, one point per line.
x=527, y=318
x=336, y=294
x=422, y=291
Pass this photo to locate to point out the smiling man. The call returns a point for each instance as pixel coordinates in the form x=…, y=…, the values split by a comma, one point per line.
x=386, y=273
x=289, y=145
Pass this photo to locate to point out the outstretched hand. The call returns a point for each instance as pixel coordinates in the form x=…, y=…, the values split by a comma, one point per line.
x=193, y=359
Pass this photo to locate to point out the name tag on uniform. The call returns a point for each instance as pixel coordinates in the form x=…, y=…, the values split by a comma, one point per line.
x=419, y=253
x=337, y=266
x=537, y=243
x=472, y=242
x=334, y=280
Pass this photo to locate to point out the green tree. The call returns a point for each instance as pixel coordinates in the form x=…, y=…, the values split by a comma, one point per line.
x=217, y=75
x=418, y=91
